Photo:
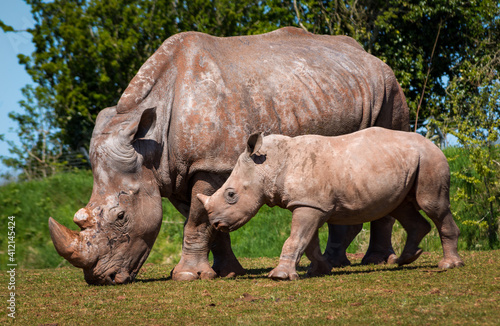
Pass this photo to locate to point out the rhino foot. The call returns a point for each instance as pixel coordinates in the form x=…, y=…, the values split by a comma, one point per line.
x=448, y=263
x=377, y=258
x=280, y=273
x=319, y=269
x=337, y=260
x=407, y=258
x=229, y=269
x=191, y=273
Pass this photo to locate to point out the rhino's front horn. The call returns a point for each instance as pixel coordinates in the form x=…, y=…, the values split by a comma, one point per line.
x=68, y=244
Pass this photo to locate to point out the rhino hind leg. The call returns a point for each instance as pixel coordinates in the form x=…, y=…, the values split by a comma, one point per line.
x=449, y=233
x=417, y=228
x=380, y=249
x=432, y=196
x=339, y=238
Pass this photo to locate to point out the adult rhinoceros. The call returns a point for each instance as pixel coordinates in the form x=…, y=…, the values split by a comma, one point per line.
x=179, y=127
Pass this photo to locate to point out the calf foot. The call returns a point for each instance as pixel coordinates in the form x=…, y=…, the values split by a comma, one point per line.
x=190, y=272
x=283, y=273
x=447, y=263
x=407, y=258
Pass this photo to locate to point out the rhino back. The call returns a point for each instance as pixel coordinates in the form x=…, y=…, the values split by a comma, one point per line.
x=368, y=171
x=232, y=87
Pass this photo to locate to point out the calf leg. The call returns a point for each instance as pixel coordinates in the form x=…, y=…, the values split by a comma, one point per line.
x=319, y=264
x=305, y=224
x=433, y=197
x=416, y=226
x=449, y=233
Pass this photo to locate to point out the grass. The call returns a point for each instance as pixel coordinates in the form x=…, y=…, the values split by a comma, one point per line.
x=418, y=294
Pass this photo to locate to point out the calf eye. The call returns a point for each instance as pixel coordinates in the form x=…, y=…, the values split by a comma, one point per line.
x=121, y=215
x=231, y=196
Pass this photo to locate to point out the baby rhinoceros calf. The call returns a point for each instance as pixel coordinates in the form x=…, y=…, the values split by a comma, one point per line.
x=349, y=179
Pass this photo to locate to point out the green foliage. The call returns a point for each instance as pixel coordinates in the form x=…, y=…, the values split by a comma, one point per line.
x=87, y=51
x=404, y=34
x=31, y=203
x=473, y=116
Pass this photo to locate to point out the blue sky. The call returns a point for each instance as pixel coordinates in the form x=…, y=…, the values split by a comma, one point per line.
x=13, y=77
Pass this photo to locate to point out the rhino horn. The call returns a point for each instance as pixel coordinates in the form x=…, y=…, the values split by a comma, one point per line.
x=68, y=244
x=204, y=200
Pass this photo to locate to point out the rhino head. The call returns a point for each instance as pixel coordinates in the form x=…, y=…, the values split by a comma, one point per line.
x=119, y=225
x=244, y=192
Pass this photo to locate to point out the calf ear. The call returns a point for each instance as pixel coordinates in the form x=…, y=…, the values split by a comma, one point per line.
x=254, y=143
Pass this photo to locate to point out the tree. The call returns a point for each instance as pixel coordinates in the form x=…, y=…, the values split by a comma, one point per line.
x=421, y=40
x=87, y=51
x=473, y=116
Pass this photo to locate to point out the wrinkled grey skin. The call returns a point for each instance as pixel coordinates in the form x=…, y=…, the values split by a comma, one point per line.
x=348, y=179
x=177, y=131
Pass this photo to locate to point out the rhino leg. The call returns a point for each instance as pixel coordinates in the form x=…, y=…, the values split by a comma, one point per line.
x=305, y=224
x=198, y=237
x=319, y=264
x=225, y=262
x=448, y=232
x=416, y=226
x=339, y=238
x=380, y=248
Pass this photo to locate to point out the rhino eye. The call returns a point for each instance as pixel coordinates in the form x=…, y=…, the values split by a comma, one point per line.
x=120, y=215
x=231, y=196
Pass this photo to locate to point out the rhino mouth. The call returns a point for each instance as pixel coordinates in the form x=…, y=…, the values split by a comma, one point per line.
x=100, y=275
x=222, y=226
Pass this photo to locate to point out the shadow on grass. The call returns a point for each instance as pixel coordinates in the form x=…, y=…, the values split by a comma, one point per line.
x=261, y=273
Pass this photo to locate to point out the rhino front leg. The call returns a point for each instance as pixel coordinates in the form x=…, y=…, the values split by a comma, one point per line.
x=200, y=237
x=305, y=223
x=319, y=264
x=225, y=262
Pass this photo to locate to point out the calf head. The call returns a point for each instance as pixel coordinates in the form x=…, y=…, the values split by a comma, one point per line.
x=120, y=223
x=241, y=196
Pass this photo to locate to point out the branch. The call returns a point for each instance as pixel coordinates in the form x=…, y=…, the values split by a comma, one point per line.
x=298, y=15
x=428, y=73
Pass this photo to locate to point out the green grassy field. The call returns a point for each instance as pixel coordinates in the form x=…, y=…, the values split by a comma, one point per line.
x=418, y=294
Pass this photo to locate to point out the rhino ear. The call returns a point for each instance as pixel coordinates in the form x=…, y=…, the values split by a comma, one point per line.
x=254, y=143
x=147, y=124
x=142, y=128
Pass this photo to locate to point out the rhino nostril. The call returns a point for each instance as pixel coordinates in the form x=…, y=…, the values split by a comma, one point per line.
x=112, y=277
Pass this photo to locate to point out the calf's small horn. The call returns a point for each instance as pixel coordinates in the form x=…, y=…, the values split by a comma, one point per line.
x=67, y=244
x=204, y=200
